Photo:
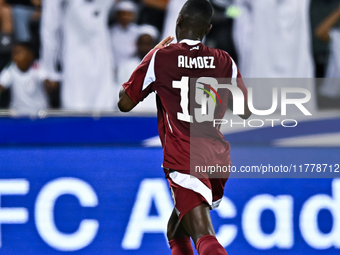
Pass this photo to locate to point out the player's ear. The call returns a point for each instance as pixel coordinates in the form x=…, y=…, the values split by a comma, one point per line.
x=179, y=20
x=208, y=29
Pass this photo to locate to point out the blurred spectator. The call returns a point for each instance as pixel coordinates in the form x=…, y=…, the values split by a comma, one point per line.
x=6, y=25
x=6, y=43
x=26, y=79
x=329, y=31
x=34, y=25
x=16, y=18
x=124, y=33
x=147, y=39
x=169, y=28
x=22, y=12
x=76, y=40
x=153, y=13
x=319, y=10
x=6, y=33
x=273, y=39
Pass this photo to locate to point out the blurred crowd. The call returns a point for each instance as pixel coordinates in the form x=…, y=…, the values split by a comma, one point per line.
x=75, y=55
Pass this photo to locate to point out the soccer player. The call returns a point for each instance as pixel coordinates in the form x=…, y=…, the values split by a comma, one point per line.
x=173, y=72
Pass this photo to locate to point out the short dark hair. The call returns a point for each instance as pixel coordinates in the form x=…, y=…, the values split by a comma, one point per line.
x=28, y=46
x=198, y=12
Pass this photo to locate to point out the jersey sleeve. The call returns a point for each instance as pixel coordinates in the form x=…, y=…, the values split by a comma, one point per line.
x=139, y=85
x=6, y=77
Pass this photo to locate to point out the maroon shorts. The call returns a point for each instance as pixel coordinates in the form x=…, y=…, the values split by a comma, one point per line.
x=189, y=192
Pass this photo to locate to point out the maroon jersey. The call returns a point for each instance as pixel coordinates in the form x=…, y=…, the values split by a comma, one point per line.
x=179, y=74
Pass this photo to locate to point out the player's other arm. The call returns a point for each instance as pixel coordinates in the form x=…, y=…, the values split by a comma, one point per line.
x=322, y=31
x=126, y=103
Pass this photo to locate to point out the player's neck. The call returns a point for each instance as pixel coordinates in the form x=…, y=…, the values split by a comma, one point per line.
x=189, y=35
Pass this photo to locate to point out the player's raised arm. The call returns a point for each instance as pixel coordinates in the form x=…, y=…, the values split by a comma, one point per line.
x=126, y=103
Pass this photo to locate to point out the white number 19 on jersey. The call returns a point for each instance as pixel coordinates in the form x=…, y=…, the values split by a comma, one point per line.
x=205, y=95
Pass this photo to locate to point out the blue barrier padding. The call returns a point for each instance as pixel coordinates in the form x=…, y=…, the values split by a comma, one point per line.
x=77, y=130
x=132, y=131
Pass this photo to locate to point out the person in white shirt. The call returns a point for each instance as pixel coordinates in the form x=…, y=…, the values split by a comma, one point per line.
x=147, y=39
x=26, y=80
x=124, y=33
x=77, y=32
x=273, y=40
x=329, y=31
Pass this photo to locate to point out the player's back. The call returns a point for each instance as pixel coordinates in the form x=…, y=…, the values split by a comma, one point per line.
x=185, y=74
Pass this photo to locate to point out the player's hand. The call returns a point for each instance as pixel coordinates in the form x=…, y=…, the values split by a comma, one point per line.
x=165, y=42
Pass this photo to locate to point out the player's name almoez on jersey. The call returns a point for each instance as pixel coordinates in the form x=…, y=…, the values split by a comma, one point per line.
x=206, y=62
